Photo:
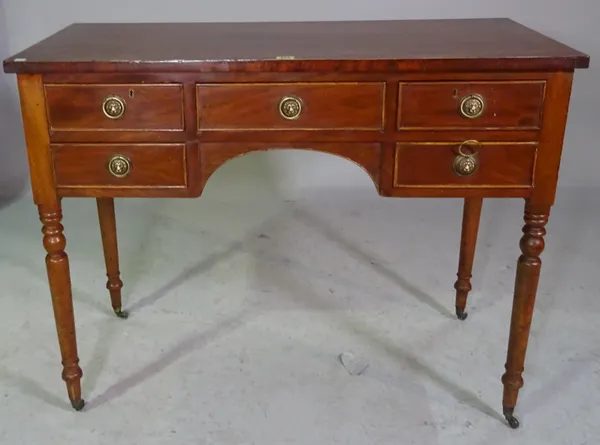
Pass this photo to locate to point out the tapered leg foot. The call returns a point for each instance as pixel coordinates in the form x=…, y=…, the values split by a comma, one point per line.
x=121, y=313
x=108, y=230
x=57, y=264
x=526, y=284
x=468, y=240
x=78, y=404
x=461, y=314
x=513, y=422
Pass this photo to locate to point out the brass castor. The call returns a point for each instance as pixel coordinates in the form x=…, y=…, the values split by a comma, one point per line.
x=461, y=314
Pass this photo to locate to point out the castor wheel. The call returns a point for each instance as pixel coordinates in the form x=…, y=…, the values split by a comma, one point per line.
x=513, y=422
x=121, y=313
x=461, y=314
x=78, y=404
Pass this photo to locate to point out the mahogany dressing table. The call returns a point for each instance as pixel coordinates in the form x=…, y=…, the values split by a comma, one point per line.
x=471, y=108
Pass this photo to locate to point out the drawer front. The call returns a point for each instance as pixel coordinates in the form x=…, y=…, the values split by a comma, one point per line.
x=476, y=105
x=120, y=165
x=133, y=107
x=465, y=165
x=293, y=106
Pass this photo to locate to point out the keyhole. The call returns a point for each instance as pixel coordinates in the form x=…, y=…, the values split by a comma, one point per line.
x=455, y=93
x=131, y=93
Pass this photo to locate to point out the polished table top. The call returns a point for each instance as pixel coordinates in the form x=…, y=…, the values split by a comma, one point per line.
x=465, y=44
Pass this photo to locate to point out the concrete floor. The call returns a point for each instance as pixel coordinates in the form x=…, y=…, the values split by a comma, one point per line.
x=241, y=302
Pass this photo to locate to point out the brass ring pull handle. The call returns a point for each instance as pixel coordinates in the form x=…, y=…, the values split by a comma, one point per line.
x=472, y=106
x=119, y=166
x=466, y=164
x=290, y=107
x=114, y=107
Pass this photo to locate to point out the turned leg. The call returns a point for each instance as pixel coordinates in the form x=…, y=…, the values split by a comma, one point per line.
x=470, y=227
x=108, y=230
x=57, y=264
x=528, y=273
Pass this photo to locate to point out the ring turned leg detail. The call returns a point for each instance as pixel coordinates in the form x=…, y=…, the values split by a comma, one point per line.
x=108, y=230
x=468, y=241
x=57, y=265
x=526, y=283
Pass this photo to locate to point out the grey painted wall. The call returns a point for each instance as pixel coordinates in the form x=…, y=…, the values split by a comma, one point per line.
x=574, y=22
x=13, y=159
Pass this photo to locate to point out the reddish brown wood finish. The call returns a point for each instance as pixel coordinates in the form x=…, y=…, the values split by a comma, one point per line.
x=470, y=45
x=382, y=94
x=31, y=93
x=468, y=241
x=556, y=110
x=528, y=274
x=430, y=165
x=325, y=106
x=76, y=107
x=59, y=278
x=366, y=156
x=108, y=231
x=152, y=165
x=436, y=105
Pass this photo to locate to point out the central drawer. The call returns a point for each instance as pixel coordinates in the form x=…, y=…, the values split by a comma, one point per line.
x=291, y=106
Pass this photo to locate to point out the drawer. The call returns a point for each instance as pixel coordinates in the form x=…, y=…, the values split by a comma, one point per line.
x=476, y=105
x=470, y=164
x=293, y=106
x=119, y=165
x=133, y=107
